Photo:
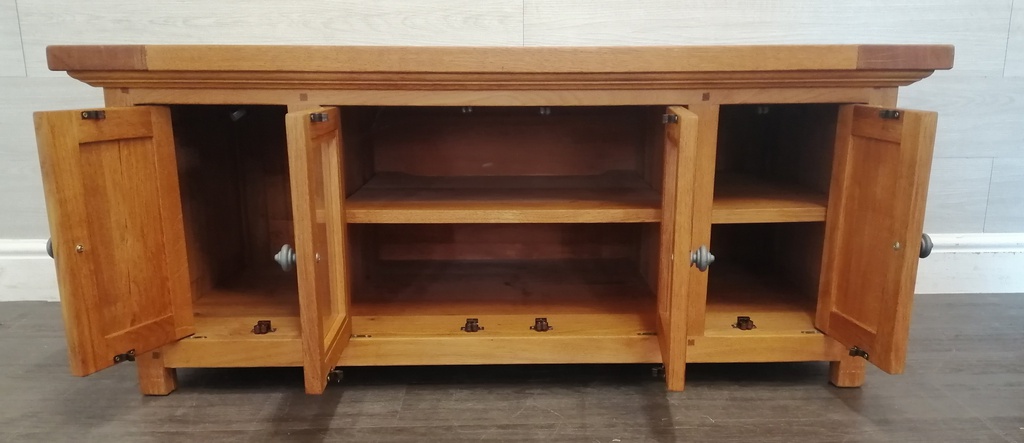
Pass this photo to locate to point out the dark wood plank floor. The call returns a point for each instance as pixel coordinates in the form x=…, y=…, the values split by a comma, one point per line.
x=964, y=383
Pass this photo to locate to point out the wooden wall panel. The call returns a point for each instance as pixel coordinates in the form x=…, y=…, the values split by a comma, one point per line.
x=21, y=188
x=1015, y=43
x=976, y=27
x=12, y=62
x=1005, y=208
x=957, y=195
x=338, y=22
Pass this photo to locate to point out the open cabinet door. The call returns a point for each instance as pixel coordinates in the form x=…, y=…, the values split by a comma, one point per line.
x=314, y=156
x=674, y=264
x=873, y=230
x=111, y=185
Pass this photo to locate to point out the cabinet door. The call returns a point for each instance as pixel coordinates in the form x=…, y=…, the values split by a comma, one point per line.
x=314, y=156
x=674, y=265
x=873, y=230
x=111, y=185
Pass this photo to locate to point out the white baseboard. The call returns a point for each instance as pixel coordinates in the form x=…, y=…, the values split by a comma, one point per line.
x=959, y=264
x=26, y=272
x=973, y=264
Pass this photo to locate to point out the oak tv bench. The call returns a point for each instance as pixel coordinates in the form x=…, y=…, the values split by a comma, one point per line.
x=323, y=207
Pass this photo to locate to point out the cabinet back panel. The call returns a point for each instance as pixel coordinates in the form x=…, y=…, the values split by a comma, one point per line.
x=509, y=141
x=782, y=143
x=507, y=241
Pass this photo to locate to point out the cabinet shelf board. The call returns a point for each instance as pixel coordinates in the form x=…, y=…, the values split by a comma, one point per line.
x=774, y=305
x=606, y=198
x=744, y=199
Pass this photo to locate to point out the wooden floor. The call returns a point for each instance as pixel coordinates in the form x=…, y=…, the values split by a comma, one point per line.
x=964, y=383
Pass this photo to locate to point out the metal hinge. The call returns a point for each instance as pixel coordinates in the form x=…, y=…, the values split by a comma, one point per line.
x=670, y=118
x=262, y=327
x=472, y=325
x=94, y=115
x=318, y=117
x=540, y=324
x=744, y=323
x=127, y=356
x=890, y=114
x=858, y=352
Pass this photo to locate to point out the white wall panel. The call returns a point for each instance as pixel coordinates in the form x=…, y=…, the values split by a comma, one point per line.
x=11, y=61
x=21, y=187
x=337, y=22
x=976, y=27
x=1015, y=42
x=1005, y=208
x=978, y=116
x=957, y=195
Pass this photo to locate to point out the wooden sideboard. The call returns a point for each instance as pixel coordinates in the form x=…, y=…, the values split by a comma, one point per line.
x=324, y=207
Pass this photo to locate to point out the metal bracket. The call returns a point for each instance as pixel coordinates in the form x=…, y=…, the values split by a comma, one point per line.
x=858, y=352
x=318, y=117
x=94, y=115
x=669, y=118
x=263, y=327
x=890, y=114
x=744, y=323
x=540, y=324
x=472, y=325
x=127, y=356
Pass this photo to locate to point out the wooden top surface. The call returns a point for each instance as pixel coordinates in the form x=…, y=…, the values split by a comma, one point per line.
x=499, y=60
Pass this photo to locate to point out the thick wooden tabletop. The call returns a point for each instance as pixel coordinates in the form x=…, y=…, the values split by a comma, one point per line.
x=498, y=68
x=650, y=59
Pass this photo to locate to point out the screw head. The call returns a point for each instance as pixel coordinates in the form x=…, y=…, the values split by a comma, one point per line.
x=317, y=257
x=79, y=248
x=896, y=246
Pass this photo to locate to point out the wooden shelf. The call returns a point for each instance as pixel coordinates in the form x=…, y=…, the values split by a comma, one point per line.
x=775, y=306
x=745, y=199
x=606, y=198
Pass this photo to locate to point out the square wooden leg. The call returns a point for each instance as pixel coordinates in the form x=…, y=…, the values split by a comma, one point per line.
x=848, y=372
x=154, y=378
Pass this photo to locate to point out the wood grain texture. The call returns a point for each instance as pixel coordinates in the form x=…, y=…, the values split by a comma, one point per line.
x=338, y=22
x=958, y=195
x=740, y=199
x=978, y=116
x=107, y=203
x=873, y=232
x=1005, y=211
x=980, y=36
x=1015, y=43
x=389, y=198
x=314, y=160
x=12, y=60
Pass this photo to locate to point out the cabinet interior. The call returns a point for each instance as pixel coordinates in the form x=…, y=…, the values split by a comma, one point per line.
x=772, y=176
x=517, y=175
x=428, y=193
x=236, y=204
